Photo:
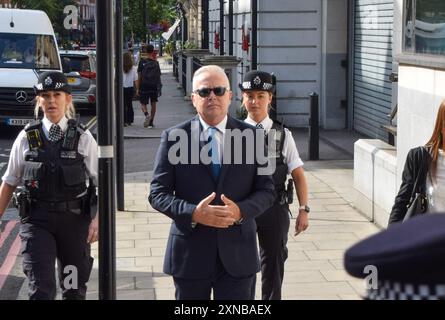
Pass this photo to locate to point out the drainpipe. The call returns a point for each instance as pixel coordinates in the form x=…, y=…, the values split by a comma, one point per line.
x=349, y=113
x=230, y=29
x=221, y=27
x=254, y=15
x=205, y=24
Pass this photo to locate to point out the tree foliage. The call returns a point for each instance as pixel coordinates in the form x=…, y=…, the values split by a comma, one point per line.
x=53, y=8
x=158, y=12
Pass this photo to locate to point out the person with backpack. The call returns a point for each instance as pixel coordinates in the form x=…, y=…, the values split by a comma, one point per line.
x=149, y=83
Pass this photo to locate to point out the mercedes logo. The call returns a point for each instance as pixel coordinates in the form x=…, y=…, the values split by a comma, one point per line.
x=21, y=96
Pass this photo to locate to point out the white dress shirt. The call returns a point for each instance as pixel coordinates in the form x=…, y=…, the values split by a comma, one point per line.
x=290, y=152
x=87, y=147
x=219, y=135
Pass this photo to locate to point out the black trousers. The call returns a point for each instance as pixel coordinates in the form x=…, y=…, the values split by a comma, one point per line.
x=128, y=105
x=225, y=286
x=272, y=229
x=50, y=236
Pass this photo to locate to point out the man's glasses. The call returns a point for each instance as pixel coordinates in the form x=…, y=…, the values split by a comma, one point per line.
x=205, y=92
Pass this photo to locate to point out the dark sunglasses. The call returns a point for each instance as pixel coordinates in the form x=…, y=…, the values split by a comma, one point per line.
x=205, y=92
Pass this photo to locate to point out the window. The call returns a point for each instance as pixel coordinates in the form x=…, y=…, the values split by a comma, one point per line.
x=424, y=27
x=28, y=51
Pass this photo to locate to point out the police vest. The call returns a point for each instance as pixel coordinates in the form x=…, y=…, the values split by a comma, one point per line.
x=54, y=171
x=276, y=154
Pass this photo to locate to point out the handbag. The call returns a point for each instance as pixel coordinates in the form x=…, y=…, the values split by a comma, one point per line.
x=418, y=205
x=419, y=201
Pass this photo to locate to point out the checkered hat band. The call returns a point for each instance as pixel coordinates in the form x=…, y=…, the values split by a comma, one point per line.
x=388, y=290
x=248, y=85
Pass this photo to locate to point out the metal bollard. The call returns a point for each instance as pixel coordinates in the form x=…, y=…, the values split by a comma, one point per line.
x=314, y=128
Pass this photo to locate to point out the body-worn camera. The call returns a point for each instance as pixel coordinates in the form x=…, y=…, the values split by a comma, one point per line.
x=70, y=135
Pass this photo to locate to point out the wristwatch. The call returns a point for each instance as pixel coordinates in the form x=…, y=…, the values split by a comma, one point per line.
x=305, y=208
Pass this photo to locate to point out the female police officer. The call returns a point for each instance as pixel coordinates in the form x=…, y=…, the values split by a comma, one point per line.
x=273, y=225
x=54, y=158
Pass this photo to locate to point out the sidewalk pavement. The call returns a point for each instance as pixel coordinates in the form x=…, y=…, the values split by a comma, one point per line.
x=314, y=269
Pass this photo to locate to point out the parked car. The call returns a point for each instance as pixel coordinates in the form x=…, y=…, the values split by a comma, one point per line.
x=80, y=70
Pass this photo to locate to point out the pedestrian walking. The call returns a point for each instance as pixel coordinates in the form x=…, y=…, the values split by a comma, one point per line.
x=213, y=204
x=273, y=225
x=149, y=84
x=423, y=176
x=130, y=83
x=54, y=159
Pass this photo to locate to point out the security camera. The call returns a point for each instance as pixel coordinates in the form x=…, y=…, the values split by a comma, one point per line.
x=11, y=24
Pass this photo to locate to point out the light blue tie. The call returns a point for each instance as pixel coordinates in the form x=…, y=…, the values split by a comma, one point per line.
x=215, y=163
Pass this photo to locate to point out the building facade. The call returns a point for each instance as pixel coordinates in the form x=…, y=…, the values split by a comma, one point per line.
x=339, y=49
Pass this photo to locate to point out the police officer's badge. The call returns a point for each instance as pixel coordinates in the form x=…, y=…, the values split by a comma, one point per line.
x=257, y=80
x=48, y=81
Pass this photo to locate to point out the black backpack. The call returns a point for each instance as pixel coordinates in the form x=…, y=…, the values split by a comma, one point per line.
x=151, y=73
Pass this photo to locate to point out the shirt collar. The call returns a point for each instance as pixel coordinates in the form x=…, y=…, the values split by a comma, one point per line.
x=220, y=126
x=63, y=123
x=266, y=122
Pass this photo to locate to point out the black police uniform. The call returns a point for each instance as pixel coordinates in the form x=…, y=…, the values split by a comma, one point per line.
x=404, y=262
x=272, y=225
x=55, y=222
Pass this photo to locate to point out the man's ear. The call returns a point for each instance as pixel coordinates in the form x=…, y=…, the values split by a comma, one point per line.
x=193, y=97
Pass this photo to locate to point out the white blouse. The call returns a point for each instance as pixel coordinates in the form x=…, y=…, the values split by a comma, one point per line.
x=435, y=186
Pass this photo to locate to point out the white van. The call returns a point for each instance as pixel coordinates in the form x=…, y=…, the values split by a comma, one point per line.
x=27, y=47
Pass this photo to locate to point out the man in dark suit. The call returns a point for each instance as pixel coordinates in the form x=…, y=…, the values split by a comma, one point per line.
x=212, y=242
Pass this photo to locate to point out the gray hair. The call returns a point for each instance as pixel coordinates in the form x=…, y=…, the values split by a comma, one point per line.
x=70, y=111
x=210, y=69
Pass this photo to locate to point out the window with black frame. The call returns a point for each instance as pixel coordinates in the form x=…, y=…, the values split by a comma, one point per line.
x=424, y=27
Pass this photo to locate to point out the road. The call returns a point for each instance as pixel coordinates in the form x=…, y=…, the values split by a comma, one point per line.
x=138, y=156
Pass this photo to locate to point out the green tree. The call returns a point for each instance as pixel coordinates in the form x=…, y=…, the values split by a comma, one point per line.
x=53, y=8
x=157, y=11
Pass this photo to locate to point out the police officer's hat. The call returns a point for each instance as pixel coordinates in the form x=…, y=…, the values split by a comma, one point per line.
x=407, y=259
x=257, y=80
x=52, y=80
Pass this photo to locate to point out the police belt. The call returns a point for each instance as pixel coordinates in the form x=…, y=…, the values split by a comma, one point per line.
x=58, y=205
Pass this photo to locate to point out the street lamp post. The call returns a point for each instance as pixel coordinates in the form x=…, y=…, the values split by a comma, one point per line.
x=105, y=116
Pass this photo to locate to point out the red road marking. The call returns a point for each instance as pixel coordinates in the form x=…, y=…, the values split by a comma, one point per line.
x=7, y=266
x=9, y=227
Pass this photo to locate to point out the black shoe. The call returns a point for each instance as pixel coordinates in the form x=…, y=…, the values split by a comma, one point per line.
x=150, y=124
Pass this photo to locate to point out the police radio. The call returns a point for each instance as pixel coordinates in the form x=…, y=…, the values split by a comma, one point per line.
x=70, y=135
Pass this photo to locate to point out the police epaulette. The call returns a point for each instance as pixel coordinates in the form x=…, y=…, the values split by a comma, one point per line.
x=81, y=128
x=34, y=124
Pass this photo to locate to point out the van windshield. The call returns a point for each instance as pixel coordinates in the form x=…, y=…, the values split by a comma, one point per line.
x=28, y=51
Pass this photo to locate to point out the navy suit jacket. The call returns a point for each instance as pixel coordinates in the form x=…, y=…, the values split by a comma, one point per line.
x=176, y=189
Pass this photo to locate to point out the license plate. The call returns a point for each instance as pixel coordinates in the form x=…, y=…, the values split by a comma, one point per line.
x=71, y=80
x=18, y=122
